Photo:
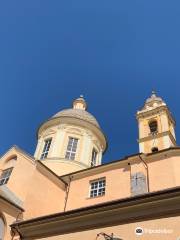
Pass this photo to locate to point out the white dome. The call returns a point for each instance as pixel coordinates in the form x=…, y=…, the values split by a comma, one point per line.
x=78, y=113
x=73, y=123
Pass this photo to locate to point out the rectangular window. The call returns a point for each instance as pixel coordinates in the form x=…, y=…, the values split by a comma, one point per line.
x=97, y=187
x=93, y=158
x=46, y=148
x=71, y=148
x=5, y=176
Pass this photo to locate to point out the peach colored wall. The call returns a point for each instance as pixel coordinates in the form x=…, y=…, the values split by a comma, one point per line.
x=45, y=196
x=20, y=177
x=40, y=191
x=127, y=231
x=176, y=167
x=117, y=186
x=162, y=173
x=21, y=174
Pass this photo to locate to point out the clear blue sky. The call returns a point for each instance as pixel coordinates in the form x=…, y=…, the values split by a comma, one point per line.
x=113, y=52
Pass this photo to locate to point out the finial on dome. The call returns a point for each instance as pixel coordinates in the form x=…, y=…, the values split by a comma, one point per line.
x=80, y=103
x=154, y=98
x=153, y=93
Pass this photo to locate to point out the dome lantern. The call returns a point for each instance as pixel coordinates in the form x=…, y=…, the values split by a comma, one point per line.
x=80, y=103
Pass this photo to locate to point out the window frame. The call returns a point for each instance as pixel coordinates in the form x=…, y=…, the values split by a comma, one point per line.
x=70, y=153
x=98, y=189
x=4, y=180
x=46, y=148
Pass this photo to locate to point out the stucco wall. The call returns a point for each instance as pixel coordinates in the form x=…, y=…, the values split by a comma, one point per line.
x=46, y=195
x=163, y=172
x=23, y=168
x=117, y=186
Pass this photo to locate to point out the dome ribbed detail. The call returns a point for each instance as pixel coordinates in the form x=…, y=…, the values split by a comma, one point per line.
x=78, y=113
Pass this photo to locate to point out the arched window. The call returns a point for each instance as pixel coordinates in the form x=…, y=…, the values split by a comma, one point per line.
x=153, y=126
x=154, y=149
x=2, y=228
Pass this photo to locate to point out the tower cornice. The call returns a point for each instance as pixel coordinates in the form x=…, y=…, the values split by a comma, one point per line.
x=158, y=110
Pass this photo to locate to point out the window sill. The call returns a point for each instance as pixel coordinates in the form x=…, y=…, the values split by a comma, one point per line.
x=95, y=197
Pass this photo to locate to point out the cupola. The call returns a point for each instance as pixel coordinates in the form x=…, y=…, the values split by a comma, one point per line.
x=80, y=103
x=71, y=140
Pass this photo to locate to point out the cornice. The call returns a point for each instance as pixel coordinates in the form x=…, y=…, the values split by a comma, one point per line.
x=121, y=162
x=157, y=110
x=142, y=207
x=158, y=135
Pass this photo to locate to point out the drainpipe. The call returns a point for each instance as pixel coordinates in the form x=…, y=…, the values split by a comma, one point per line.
x=67, y=192
x=147, y=171
x=130, y=172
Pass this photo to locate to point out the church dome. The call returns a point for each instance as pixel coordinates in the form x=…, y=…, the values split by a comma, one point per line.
x=79, y=114
x=71, y=140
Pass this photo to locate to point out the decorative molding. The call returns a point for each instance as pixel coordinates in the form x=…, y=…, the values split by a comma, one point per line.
x=74, y=130
x=89, y=134
x=156, y=111
x=62, y=126
x=158, y=135
x=48, y=132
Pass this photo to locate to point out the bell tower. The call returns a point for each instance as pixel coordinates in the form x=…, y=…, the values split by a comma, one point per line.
x=156, y=126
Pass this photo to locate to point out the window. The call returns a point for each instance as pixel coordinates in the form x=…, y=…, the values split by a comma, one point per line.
x=93, y=158
x=97, y=188
x=46, y=148
x=153, y=126
x=5, y=176
x=71, y=148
